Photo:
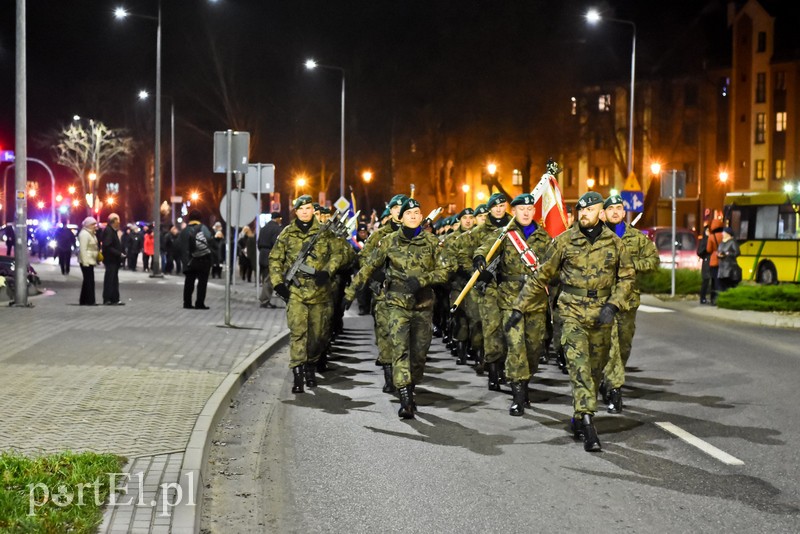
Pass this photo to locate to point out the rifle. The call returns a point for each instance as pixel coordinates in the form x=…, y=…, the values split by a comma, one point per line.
x=428, y=221
x=299, y=265
x=637, y=219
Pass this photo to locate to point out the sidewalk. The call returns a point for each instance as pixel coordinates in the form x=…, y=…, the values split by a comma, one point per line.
x=772, y=319
x=132, y=380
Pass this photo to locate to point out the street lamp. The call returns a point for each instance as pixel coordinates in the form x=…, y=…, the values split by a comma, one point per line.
x=144, y=95
x=311, y=65
x=121, y=13
x=366, y=176
x=465, y=189
x=723, y=177
x=590, y=184
x=593, y=17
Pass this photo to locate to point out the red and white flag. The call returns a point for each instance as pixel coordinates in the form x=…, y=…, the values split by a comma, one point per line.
x=550, y=205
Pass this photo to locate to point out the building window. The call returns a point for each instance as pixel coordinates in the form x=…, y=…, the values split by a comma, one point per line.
x=780, y=81
x=761, y=87
x=759, y=168
x=762, y=42
x=780, y=121
x=761, y=128
x=573, y=103
x=603, y=178
x=780, y=169
x=604, y=102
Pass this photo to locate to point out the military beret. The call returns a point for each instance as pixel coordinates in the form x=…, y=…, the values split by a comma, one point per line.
x=613, y=199
x=397, y=200
x=302, y=201
x=481, y=209
x=525, y=199
x=590, y=199
x=386, y=213
x=408, y=204
x=362, y=227
x=466, y=211
x=495, y=199
x=316, y=206
x=325, y=210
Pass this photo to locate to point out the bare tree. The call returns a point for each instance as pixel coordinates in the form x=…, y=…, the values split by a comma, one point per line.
x=91, y=146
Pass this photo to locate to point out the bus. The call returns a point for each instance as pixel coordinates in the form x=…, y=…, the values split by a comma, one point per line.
x=767, y=227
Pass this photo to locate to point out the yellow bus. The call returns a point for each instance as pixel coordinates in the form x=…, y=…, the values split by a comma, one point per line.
x=767, y=227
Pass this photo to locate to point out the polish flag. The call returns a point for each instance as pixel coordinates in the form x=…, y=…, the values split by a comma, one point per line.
x=550, y=205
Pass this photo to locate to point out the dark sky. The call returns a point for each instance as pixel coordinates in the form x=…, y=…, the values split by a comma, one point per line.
x=238, y=64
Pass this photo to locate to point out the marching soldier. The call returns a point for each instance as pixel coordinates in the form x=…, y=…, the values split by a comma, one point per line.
x=523, y=341
x=308, y=296
x=413, y=263
x=644, y=255
x=597, y=276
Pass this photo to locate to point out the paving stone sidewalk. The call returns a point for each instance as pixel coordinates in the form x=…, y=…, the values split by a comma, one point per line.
x=129, y=380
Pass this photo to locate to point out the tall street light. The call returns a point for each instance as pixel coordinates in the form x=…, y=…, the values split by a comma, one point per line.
x=144, y=95
x=593, y=17
x=121, y=13
x=311, y=65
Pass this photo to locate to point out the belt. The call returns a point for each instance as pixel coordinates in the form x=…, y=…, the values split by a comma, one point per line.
x=512, y=278
x=591, y=293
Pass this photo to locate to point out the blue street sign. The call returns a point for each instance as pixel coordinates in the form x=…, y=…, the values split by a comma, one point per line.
x=633, y=201
x=7, y=155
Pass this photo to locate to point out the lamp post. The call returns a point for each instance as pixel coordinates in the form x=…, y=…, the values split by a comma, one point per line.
x=367, y=177
x=144, y=95
x=121, y=13
x=311, y=65
x=593, y=17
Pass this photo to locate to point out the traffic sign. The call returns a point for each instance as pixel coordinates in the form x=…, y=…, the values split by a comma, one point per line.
x=248, y=204
x=252, y=184
x=240, y=151
x=7, y=155
x=631, y=183
x=342, y=204
x=177, y=199
x=633, y=201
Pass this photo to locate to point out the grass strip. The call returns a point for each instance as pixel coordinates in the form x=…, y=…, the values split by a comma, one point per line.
x=783, y=297
x=687, y=281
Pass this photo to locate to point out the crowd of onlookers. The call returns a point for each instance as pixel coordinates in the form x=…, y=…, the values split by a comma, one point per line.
x=720, y=271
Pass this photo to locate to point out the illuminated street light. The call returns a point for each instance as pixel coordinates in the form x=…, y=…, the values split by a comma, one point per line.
x=59, y=198
x=111, y=201
x=593, y=16
x=723, y=177
x=492, y=168
x=465, y=188
x=480, y=196
x=32, y=193
x=194, y=196
x=590, y=183
x=120, y=13
x=40, y=205
x=93, y=176
x=787, y=188
x=143, y=95
x=71, y=189
x=366, y=176
x=311, y=64
x=655, y=168
x=76, y=203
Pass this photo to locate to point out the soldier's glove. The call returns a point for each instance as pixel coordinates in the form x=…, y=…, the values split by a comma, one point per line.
x=479, y=263
x=346, y=303
x=282, y=291
x=486, y=277
x=516, y=317
x=322, y=277
x=413, y=285
x=607, y=313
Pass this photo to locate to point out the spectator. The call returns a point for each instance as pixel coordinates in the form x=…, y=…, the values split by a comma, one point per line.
x=729, y=274
x=247, y=253
x=134, y=247
x=197, y=255
x=148, y=248
x=11, y=236
x=166, y=250
x=87, y=259
x=65, y=241
x=714, y=240
x=218, y=246
x=41, y=242
x=113, y=257
x=266, y=240
x=705, y=269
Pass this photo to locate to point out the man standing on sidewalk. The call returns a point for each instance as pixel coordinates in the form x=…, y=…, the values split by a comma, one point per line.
x=112, y=259
x=266, y=240
x=194, y=244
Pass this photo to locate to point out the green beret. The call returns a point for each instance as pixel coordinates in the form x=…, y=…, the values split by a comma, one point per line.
x=386, y=213
x=465, y=211
x=613, y=199
x=590, y=199
x=397, y=200
x=481, y=209
x=302, y=201
x=525, y=199
x=325, y=210
x=408, y=204
x=316, y=206
x=495, y=199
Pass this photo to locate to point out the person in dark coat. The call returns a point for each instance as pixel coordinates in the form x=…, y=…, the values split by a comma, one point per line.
x=65, y=241
x=134, y=247
x=197, y=252
x=266, y=240
x=11, y=236
x=113, y=256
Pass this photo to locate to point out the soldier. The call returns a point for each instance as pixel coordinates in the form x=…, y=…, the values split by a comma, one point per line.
x=308, y=296
x=480, y=214
x=597, y=276
x=644, y=255
x=413, y=263
x=523, y=341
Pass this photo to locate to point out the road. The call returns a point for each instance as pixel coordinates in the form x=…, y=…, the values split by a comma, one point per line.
x=340, y=460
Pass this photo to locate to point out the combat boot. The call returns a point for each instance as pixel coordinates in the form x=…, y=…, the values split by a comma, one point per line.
x=297, y=387
x=527, y=403
x=480, y=363
x=388, y=386
x=412, y=388
x=615, y=401
x=322, y=363
x=311, y=377
x=406, y=410
x=591, y=443
x=517, y=407
x=561, y=360
x=461, y=353
x=494, y=377
x=576, y=426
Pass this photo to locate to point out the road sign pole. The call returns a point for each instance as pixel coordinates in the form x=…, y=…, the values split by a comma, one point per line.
x=674, y=194
x=21, y=171
x=258, y=231
x=228, y=175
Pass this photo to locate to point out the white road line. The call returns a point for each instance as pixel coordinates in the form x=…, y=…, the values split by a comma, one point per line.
x=707, y=448
x=653, y=309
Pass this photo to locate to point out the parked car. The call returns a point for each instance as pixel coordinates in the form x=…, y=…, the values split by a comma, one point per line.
x=685, y=246
x=7, y=269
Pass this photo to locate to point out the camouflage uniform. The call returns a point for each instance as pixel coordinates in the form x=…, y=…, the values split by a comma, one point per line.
x=381, y=320
x=310, y=306
x=463, y=330
x=645, y=258
x=409, y=316
x=338, y=280
x=604, y=273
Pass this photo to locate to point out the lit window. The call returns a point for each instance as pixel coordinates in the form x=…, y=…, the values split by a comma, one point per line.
x=603, y=178
x=780, y=169
x=604, y=102
x=759, y=167
x=780, y=121
x=761, y=128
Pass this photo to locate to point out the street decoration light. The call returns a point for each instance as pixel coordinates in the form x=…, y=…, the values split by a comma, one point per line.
x=310, y=64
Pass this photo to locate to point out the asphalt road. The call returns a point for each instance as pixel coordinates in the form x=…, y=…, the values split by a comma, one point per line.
x=340, y=460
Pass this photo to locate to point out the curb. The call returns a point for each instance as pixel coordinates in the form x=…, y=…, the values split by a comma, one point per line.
x=756, y=318
x=186, y=516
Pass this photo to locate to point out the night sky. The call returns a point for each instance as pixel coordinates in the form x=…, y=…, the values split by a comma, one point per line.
x=493, y=68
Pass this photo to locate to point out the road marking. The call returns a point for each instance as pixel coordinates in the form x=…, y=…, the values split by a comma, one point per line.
x=706, y=447
x=653, y=309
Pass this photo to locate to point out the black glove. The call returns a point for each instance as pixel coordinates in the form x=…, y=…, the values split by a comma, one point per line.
x=322, y=277
x=486, y=277
x=413, y=285
x=607, y=313
x=282, y=291
x=346, y=303
x=516, y=317
x=479, y=263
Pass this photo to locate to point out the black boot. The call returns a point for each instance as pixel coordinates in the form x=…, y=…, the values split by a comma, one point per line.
x=518, y=405
x=494, y=377
x=388, y=386
x=591, y=443
x=406, y=410
x=461, y=353
x=525, y=391
x=311, y=377
x=480, y=363
x=297, y=387
x=615, y=401
x=412, y=388
x=322, y=363
x=561, y=360
x=576, y=426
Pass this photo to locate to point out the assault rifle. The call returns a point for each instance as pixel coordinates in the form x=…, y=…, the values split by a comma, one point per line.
x=299, y=265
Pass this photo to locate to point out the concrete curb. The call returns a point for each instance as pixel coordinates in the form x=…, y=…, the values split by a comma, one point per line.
x=186, y=516
x=757, y=318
